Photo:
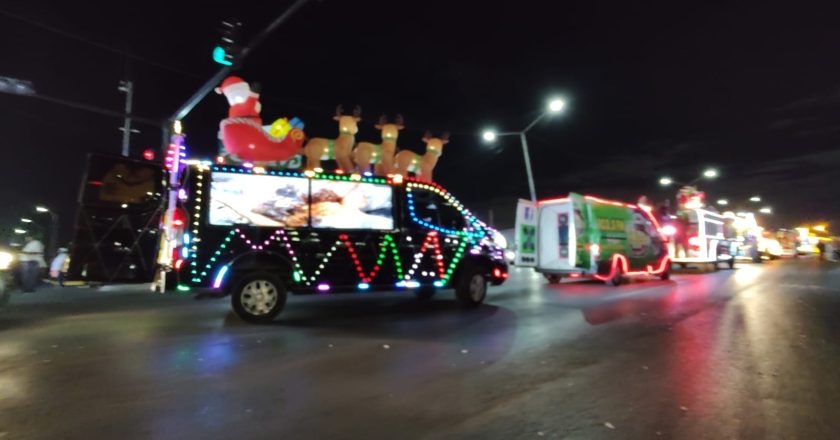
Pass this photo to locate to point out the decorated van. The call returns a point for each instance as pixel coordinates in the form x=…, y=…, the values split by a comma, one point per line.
x=584, y=236
x=259, y=234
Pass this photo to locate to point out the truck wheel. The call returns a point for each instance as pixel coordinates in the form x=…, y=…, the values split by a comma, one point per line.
x=472, y=288
x=731, y=263
x=664, y=276
x=258, y=297
x=553, y=279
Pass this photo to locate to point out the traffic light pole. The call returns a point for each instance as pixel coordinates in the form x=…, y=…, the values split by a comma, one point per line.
x=211, y=83
x=127, y=87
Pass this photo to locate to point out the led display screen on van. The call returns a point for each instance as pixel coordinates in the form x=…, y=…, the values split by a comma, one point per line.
x=259, y=200
x=351, y=205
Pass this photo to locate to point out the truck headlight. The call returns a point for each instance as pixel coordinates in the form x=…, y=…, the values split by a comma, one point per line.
x=499, y=239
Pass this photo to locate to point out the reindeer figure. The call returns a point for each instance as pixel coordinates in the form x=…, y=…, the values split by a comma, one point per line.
x=341, y=148
x=382, y=155
x=422, y=166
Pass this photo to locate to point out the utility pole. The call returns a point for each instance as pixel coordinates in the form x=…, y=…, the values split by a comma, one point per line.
x=127, y=87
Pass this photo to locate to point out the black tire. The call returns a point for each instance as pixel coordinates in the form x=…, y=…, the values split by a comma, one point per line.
x=258, y=297
x=731, y=263
x=553, y=278
x=665, y=276
x=425, y=293
x=617, y=279
x=471, y=288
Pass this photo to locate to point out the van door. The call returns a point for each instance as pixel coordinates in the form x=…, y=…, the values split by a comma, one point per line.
x=525, y=233
x=556, y=237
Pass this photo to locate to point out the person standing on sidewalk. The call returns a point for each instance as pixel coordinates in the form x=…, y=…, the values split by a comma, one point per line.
x=31, y=262
x=58, y=267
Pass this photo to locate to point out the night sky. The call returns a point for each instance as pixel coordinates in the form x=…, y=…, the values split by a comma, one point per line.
x=652, y=90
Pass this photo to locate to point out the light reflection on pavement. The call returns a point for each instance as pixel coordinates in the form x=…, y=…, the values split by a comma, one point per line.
x=750, y=353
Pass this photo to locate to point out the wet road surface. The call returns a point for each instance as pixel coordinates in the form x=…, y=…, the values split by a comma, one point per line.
x=752, y=353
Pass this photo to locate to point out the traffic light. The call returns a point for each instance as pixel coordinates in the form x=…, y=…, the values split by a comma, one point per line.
x=228, y=48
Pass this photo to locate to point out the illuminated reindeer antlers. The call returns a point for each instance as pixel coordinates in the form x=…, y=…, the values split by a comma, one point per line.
x=428, y=136
x=398, y=121
x=357, y=111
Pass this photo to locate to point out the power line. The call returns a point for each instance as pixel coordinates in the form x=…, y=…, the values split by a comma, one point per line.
x=97, y=44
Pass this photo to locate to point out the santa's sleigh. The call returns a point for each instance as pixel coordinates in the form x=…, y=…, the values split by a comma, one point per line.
x=246, y=140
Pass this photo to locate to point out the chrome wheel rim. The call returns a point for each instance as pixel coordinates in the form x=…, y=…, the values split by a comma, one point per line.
x=477, y=287
x=259, y=297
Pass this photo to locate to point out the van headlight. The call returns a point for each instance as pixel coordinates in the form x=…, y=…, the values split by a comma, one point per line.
x=499, y=239
x=6, y=259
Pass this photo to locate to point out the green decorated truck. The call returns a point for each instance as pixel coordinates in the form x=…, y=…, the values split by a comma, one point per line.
x=588, y=237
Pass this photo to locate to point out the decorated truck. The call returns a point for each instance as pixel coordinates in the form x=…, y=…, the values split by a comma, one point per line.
x=585, y=236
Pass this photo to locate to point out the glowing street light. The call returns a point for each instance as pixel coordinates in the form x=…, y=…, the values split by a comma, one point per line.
x=755, y=199
x=42, y=209
x=26, y=220
x=710, y=173
x=766, y=210
x=665, y=181
x=555, y=105
x=20, y=231
x=723, y=202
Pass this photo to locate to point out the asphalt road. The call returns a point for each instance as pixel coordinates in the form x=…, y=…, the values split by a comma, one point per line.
x=752, y=353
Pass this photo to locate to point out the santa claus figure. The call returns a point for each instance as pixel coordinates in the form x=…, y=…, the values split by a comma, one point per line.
x=243, y=136
x=244, y=103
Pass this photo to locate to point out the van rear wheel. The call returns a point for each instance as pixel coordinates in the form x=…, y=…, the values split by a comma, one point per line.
x=471, y=288
x=617, y=278
x=258, y=297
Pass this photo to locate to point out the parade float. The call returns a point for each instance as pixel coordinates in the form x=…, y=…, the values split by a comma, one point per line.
x=588, y=237
x=257, y=224
x=697, y=235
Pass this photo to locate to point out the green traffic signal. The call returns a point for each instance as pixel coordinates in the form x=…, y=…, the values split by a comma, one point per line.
x=221, y=57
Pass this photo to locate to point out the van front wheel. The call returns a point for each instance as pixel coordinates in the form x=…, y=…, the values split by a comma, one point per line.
x=471, y=289
x=258, y=297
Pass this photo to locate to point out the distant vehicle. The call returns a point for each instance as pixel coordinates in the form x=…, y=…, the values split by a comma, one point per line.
x=699, y=239
x=585, y=236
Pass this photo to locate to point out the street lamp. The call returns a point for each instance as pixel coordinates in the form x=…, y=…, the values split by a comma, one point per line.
x=755, y=199
x=766, y=210
x=708, y=173
x=555, y=105
x=26, y=220
x=53, y=230
x=723, y=202
x=20, y=231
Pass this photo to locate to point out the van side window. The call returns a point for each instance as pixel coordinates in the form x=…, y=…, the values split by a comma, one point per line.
x=433, y=208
